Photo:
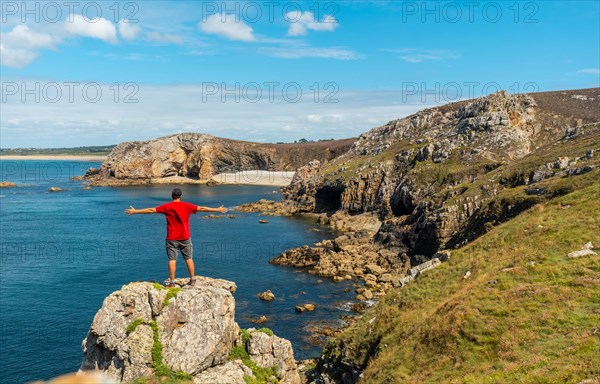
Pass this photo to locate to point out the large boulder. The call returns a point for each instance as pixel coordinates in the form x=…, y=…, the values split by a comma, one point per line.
x=194, y=327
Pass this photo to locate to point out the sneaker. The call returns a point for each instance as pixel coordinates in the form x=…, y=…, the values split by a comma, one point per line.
x=170, y=284
x=193, y=281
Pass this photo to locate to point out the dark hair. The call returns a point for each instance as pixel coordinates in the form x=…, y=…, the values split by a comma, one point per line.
x=176, y=194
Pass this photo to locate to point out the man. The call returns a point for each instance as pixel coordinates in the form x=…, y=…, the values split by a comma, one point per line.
x=178, y=239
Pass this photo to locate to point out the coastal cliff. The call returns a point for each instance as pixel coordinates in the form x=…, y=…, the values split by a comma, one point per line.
x=189, y=157
x=439, y=179
x=145, y=332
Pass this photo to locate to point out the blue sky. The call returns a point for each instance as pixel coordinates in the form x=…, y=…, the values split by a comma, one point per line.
x=179, y=63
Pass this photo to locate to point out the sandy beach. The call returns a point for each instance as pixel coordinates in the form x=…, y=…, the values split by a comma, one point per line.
x=256, y=177
x=54, y=157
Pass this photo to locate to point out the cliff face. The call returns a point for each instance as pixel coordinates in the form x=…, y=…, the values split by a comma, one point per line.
x=199, y=156
x=144, y=330
x=444, y=176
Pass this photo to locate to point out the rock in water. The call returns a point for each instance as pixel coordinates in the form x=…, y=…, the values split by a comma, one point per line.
x=266, y=296
x=194, y=325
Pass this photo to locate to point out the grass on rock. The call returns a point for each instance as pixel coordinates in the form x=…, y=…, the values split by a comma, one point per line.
x=261, y=375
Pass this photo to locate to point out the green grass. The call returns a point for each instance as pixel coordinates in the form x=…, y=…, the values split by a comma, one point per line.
x=160, y=368
x=527, y=314
x=261, y=375
x=163, y=374
x=267, y=331
x=512, y=176
x=331, y=170
x=158, y=287
x=137, y=322
x=171, y=293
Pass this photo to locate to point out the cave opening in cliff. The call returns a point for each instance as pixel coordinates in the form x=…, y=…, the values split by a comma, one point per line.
x=328, y=199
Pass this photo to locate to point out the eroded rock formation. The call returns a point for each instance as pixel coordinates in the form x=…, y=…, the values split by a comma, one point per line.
x=442, y=177
x=146, y=330
x=197, y=156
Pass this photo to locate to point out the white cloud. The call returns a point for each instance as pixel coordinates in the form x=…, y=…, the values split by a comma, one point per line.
x=310, y=52
x=589, y=71
x=301, y=22
x=332, y=118
x=128, y=30
x=20, y=46
x=16, y=58
x=413, y=55
x=163, y=38
x=175, y=108
x=98, y=28
x=229, y=26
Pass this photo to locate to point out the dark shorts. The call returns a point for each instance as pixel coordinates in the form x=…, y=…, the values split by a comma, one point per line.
x=173, y=246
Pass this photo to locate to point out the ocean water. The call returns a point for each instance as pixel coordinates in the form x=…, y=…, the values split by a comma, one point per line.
x=62, y=253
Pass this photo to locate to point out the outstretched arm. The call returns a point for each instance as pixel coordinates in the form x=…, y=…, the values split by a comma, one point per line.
x=221, y=209
x=132, y=211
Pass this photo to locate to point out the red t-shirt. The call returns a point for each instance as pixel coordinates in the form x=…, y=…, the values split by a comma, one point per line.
x=178, y=218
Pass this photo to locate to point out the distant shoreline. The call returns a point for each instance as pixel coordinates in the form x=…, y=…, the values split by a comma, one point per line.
x=55, y=157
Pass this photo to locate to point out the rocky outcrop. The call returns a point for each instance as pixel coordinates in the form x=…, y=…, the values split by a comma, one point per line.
x=442, y=177
x=194, y=156
x=147, y=330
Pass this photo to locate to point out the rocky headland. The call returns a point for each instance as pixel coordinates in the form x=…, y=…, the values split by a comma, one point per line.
x=145, y=332
x=196, y=158
x=408, y=192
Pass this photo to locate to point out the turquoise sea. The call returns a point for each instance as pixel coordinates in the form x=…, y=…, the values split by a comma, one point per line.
x=62, y=253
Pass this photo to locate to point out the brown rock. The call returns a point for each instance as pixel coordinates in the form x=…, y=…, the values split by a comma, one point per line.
x=359, y=307
x=374, y=269
x=260, y=320
x=266, y=296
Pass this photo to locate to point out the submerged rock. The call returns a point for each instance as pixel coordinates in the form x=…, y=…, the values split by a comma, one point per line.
x=260, y=320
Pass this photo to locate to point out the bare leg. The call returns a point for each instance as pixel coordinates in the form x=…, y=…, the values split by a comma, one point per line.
x=190, y=266
x=172, y=267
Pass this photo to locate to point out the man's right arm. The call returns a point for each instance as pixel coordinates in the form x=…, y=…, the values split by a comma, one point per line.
x=221, y=209
x=132, y=211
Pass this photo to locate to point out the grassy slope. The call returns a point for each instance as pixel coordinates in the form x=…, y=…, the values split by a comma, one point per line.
x=526, y=314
